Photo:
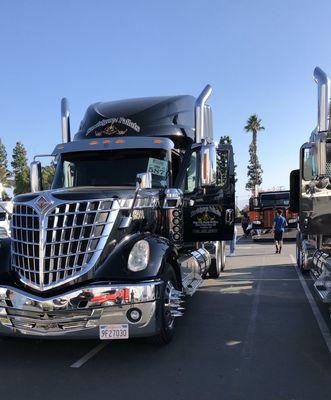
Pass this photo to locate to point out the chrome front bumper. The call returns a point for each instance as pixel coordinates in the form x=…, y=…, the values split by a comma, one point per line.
x=78, y=314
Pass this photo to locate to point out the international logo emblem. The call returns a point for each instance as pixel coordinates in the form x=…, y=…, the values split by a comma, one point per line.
x=42, y=203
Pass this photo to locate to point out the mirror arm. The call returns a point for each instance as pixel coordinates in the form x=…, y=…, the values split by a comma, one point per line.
x=136, y=192
x=42, y=155
x=5, y=210
x=126, y=221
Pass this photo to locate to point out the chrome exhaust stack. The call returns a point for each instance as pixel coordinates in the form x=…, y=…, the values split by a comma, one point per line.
x=201, y=114
x=323, y=98
x=65, y=120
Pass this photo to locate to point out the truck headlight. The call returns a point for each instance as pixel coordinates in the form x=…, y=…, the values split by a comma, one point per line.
x=139, y=256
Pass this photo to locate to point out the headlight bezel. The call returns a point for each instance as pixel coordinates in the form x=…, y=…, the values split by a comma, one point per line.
x=139, y=256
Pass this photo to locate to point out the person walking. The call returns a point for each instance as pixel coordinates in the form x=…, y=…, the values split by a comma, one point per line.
x=233, y=242
x=245, y=222
x=279, y=228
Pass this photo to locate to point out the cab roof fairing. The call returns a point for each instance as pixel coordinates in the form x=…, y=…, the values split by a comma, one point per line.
x=172, y=116
x=114, y=143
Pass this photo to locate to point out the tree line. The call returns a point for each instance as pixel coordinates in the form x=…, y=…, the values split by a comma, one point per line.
x=18, y=177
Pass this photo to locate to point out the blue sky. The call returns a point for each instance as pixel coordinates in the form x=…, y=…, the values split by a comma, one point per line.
x=258, y=56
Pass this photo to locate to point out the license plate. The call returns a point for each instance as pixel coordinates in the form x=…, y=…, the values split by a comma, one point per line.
x=114, y=331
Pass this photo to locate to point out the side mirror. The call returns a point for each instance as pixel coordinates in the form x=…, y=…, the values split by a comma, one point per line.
x=295, y=191
x=35, y=176
x=309, y=161
x=208, y=165
x=144, y=180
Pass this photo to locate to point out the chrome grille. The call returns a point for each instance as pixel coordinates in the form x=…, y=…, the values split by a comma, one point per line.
x=26, y=243
x=52, y=248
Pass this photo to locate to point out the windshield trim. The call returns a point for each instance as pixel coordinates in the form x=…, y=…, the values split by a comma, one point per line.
x=90, y=163
x=118, y=143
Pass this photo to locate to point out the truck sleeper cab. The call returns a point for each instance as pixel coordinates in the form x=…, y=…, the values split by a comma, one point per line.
x=137, y=214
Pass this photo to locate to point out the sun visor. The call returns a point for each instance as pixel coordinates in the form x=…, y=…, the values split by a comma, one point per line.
x=117, y=143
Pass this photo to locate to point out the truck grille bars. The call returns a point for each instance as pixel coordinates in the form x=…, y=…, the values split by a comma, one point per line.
x=53, y=247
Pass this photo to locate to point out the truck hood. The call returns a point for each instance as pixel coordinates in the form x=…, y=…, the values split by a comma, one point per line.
x=87, y=193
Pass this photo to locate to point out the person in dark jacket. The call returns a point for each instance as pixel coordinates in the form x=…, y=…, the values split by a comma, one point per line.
x=245, y=222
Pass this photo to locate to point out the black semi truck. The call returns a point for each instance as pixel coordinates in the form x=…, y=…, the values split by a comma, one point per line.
x=311, y=196
x=138, y=214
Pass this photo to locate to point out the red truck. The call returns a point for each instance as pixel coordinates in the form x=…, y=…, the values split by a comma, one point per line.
x=262, y=211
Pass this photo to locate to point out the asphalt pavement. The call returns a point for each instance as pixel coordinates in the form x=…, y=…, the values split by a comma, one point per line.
x=259, y=332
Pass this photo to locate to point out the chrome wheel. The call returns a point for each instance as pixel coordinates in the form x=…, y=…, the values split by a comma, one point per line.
x=216, y=262
x=169, y=306
x=169, y=319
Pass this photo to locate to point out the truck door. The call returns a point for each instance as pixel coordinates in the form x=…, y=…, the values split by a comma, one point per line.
x=209, y=209
x=315, y=217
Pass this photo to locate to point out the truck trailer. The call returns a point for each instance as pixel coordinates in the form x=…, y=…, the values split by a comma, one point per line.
x=311, y=196
x=137, y=215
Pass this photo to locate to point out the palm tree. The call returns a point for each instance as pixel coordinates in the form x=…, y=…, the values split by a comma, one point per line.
x=254, y=125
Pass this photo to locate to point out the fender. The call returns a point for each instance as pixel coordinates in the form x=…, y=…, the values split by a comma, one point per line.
x=115, y=267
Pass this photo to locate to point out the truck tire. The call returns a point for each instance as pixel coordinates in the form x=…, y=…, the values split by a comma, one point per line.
x=166, y=320
x=223, y=256
x=218, y=263
x=301, y=260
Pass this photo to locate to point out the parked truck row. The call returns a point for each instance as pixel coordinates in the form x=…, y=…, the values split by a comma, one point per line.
x=311, y=196
x=137, y=215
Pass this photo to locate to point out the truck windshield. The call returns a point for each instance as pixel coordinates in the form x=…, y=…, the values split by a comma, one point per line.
x=277, y=199
x=111, y=168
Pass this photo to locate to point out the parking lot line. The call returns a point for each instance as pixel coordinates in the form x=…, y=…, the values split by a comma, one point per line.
x=319, y=318
x=247, y=350
x=89, y=355
x=260, y=279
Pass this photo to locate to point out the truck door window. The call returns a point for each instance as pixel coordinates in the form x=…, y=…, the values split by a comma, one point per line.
x=191, y=174
x=309, y=164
